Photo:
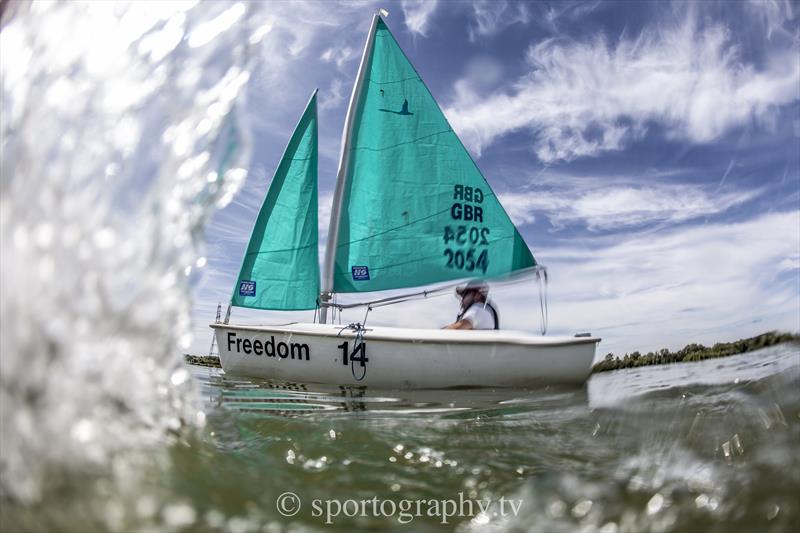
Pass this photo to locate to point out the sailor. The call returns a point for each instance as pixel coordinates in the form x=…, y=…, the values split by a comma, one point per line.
x=476, y=310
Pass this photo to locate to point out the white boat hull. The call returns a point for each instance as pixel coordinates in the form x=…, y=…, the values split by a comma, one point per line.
x=403, y=358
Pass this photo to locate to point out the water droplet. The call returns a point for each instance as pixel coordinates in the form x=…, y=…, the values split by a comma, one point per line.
x=47, y=266
x=737, y=444
x=779, y=418
x=557, y=509
x=43, y=235
x=215, y=519
x=146, y=506
x=393, y=459
x=83, y=431
x=104, y=238
x=773, y=511
x=20, y=237
x=636, y=484
x=240, y=525
x=398, y=448
x=290, y=456
x=332, y=434
x=395, y=487
x=179, y=376
x=185, y=341
x=178, y=515
x=481, y=519
x=112, y=169
x=726, y=450
x=204, y=126
x=318, y=464
x=582, y=508
x=655, y=504
x=609, y=527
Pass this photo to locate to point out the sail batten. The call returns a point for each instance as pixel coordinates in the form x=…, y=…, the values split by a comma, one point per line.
x=280, y=269
x=412, y=207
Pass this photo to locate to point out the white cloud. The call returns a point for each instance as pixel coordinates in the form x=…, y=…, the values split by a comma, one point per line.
x=493, y=16
x=339, y=55
x=621, y=206
x=582, y=98
x=711, y=282
x=774, y=14
x=333, y=97
x=482, y=74
x=418, y=14
x=325, y=202
x=294, y=53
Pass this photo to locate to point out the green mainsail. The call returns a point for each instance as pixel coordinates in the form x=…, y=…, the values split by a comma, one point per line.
x=415, y=209
x=280, y=269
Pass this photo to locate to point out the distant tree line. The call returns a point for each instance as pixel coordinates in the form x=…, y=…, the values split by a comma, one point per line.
x=202, y=360
x=694, y=352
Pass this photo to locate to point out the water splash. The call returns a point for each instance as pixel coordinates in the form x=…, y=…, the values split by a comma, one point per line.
x=120, y=135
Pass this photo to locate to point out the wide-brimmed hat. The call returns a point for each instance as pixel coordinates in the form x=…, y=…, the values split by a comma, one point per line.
x=473, y=285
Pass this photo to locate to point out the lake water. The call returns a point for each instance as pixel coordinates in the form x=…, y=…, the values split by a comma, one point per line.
x=707, y=446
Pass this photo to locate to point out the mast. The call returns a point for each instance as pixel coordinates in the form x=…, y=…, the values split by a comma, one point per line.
x=326, y=291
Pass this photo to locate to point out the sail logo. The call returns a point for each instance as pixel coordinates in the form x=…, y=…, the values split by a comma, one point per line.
x=247, y=288
x=360, y=273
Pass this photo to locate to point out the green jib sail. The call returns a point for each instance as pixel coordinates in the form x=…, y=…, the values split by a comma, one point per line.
x=415, y=208
x=280, y=269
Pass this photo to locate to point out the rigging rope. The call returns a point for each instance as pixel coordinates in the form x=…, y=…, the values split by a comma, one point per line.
x=541, y=276
x=513, y=279
x=540, y=272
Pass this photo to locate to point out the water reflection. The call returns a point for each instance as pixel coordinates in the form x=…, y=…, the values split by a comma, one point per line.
x=290, y=399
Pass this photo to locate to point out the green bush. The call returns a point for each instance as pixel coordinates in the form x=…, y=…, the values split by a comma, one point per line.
x=694, y=352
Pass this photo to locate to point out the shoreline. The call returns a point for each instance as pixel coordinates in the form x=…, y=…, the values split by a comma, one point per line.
x=202, y=360
x=694, y=352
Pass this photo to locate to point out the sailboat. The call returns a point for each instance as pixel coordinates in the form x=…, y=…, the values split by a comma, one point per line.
x=410, y=209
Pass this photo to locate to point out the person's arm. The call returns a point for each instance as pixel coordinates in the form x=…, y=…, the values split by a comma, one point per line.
x=464, y=323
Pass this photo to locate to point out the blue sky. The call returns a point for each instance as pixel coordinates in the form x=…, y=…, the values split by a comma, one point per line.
x=648, y=152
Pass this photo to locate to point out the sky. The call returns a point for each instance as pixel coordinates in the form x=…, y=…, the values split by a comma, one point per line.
x=648, y=152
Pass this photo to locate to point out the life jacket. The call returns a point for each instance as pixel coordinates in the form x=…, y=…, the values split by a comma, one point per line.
x=486, y=305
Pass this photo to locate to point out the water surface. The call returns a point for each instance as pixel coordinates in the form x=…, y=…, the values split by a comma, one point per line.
x=706, y=446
